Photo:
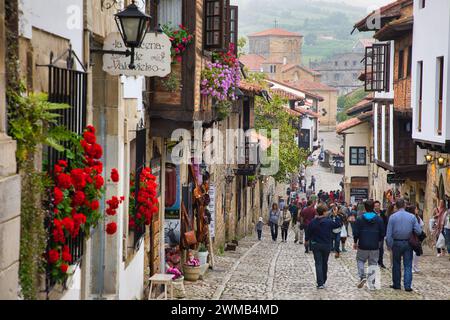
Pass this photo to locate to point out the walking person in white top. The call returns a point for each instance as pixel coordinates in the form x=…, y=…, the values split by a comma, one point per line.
x=415, y=266
x=447, y=230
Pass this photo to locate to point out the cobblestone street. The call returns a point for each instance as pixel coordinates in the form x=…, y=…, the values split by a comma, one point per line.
x=278, y=271
x=268, y=270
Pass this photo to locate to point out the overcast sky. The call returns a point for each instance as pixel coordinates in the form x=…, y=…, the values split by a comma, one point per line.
x=369, y=4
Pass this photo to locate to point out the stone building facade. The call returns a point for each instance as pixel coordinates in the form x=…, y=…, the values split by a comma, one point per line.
x=277, y=45
x=341, y=71
x=10, y=190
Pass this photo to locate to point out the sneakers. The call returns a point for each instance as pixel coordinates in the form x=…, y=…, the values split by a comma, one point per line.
x=336, y=255
x=361, y=283
x=395, y=288
x=320, y=287
x=408, y=289
x=295, y=241
x=344, y=250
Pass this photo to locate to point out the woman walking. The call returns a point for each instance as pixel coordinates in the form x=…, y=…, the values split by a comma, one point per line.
x=344, y=230
x=285, y=220
x=416, y=211
x=274, y=217
x=438, y=226
x=446, y=223
x=336, y=232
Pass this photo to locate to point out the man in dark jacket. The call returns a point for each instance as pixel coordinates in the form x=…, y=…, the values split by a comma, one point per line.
x=319, y=234
x=367, y=234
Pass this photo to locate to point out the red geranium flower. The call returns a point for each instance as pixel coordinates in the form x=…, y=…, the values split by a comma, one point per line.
x=114, y=175
x=111, y=212
x=64, y=181
x=58, y=195
x=53, y=256
x=113, y=202
x=111, y=228
x=89, y=137
x=97, y=151
x=131, y=223
x=62, y=163
x=64, y=268
x=90, y=129
x=68, y=224
x=95, y=205
x=66, y=256
x=78, y=198
x=78, y=177
x=98, y=181
x=57, y=169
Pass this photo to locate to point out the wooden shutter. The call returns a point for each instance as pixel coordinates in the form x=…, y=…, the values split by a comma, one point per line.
x=377, y=67
x=216, y=24
x=233, y=32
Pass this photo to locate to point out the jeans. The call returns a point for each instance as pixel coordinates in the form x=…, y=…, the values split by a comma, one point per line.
x=284, y=233
x=274, y=230
x=335, y=241
x=259, y=234
x=402, y=249
x=447, y=239
x=365, y=255
x=380, y=257
x=321, y=253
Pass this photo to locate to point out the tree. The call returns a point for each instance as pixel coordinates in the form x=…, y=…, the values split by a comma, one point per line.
x=242, y=42
x=272, y=115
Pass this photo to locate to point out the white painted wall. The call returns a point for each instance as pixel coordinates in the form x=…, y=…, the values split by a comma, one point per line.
x=391, y=135
x=431, y=36
x=63, y=18
x=375, y=130
x=357, y=136
x=132, y=89
x=131, y=280
x=74, y=286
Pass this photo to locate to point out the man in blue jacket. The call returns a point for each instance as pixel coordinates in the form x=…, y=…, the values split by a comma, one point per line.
x=319, y=233
x=368, y=231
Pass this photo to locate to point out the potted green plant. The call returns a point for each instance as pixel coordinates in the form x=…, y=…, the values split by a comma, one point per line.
x=202, y=254
x=191, y=268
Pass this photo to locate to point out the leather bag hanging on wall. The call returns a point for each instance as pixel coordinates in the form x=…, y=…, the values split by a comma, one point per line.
x=171, y=185
x=189, y=236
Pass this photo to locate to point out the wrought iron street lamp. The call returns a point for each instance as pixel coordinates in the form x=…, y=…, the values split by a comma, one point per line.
x=429, y=157
x=132, y=24
x=441, y=161
x=342, y=149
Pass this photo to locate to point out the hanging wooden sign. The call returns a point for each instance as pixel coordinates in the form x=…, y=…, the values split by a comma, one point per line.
x=152, y=59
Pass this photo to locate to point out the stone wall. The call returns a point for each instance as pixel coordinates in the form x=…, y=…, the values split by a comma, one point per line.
x=9, y=191
x=276, y=48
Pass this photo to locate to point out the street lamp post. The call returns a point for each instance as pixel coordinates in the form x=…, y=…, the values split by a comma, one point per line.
x=132, y=24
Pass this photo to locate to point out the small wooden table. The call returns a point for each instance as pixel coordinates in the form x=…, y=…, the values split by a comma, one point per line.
x=163, y=279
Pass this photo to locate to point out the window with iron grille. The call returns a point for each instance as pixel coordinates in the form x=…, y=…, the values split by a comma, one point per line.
x=377, y=67
x=69, y=86
x=216, y=24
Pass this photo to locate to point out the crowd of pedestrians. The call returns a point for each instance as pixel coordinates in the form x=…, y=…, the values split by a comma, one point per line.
x=322, y=223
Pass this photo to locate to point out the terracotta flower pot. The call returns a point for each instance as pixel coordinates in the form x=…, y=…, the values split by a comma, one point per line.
x=191, y=273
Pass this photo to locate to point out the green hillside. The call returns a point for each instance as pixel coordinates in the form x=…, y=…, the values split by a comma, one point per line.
x=326, y=26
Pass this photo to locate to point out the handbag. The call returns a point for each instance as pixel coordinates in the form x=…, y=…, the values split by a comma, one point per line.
x=415, y=244
x=440, y=243
x=189, y=236
x=343, y=232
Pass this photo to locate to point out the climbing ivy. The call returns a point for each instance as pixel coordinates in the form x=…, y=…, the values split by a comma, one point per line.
x=33, y=122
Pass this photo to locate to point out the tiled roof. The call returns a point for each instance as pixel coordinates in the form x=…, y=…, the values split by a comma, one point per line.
x=286, y=94
x=311, y=86
x=391, y=30
x=363, y=105
x=350, y=123
x=289, y=66
x=275, y=32
x=250, y=87
x=306, y=92
x=308, y=112
x=252, y=61
x=387, y=12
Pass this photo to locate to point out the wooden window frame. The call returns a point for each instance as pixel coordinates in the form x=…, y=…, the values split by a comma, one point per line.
x=357, y=156
x=420, y=98
x=409, y=65
x=440, y=93
x=401, y=64
x=234, y=27
x=224, y=25
x=377, y=67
